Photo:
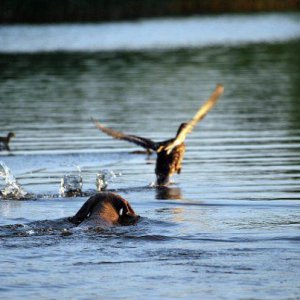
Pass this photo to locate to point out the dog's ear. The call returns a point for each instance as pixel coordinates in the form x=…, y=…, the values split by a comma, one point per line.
x=85, y=210
x=127, y=209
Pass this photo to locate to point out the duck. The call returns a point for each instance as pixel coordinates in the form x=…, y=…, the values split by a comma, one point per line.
x=169, y=152
x=107, y=209
x=4, y=141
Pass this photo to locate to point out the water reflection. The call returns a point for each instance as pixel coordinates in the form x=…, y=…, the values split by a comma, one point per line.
x=253, y=129
x=165, y=193
x=176, y=214
x=187, y=32
x=219, y=218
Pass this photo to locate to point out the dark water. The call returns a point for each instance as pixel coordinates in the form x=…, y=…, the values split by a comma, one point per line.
x=229, y=226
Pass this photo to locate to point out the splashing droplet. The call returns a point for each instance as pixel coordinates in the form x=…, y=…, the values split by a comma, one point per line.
x=71, y=185
x=103, y=177
x=12, y=189
x=101, y=182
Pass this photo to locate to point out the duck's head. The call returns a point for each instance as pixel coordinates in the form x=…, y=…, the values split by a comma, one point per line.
x=11, y=134
x=181, y=127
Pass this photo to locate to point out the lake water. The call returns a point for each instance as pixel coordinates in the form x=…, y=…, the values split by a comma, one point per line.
x=228, y=228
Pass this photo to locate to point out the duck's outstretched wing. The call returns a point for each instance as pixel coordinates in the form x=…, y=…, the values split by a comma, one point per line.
x=143, y=142
x=201, y=113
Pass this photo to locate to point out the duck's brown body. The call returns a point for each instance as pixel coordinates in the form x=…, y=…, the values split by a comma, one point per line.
x=170, y=152
x=168, y=164
x=107, y=209
x=4, y=141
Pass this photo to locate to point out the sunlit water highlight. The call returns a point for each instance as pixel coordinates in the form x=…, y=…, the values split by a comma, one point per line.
x=228, y=228
x=153, y=34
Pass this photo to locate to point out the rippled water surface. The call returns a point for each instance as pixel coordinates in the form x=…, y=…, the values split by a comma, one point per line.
x=228, y=228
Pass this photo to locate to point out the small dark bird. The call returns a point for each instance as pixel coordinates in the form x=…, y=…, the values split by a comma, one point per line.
x=4, y=141
x=106, y=209
x=170, y=152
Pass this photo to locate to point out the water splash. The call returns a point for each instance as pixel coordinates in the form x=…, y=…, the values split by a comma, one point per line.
x=71, y=185
x=103, y=177
x=101, y=182
x=12, y=189
x=78, y=169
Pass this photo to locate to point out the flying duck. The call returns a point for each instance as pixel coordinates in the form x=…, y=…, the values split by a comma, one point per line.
x=169, y=152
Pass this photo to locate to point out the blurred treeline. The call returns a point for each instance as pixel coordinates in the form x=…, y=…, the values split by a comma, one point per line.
x=50, y=11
